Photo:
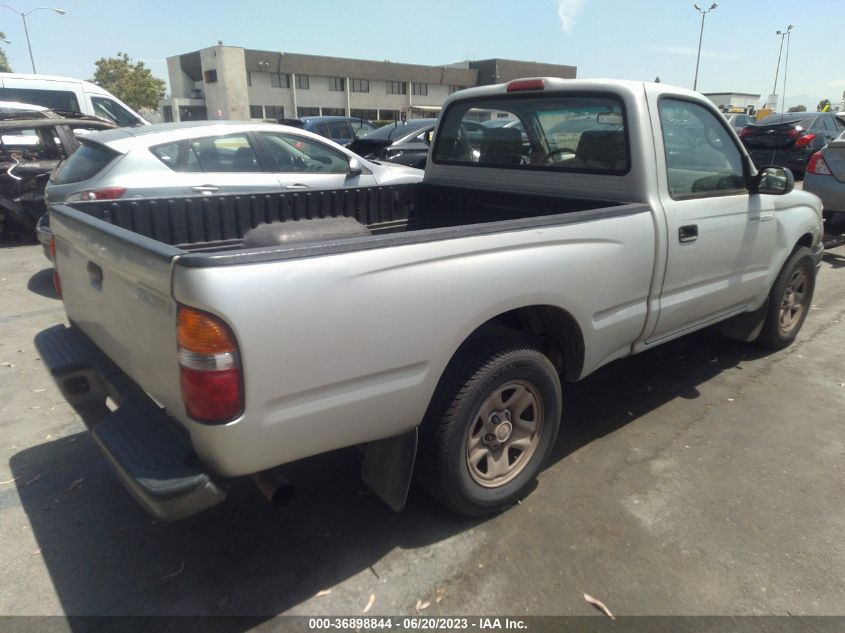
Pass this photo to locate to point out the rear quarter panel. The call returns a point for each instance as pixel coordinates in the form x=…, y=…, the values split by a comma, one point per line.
x=344, y=349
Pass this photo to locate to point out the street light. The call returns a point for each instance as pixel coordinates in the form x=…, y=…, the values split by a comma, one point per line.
x=700, y=37
x=777, y=70
x=788, y=35
x=26, y=30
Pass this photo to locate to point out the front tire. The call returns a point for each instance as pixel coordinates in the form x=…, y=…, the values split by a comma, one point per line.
x=789, y=300
x=490, y=427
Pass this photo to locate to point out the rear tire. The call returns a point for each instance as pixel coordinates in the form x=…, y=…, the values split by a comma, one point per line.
x=789, y=300
x=490, y=427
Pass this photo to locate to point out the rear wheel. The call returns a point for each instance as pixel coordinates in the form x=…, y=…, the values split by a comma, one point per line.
x=491, y=425
x=789, y=300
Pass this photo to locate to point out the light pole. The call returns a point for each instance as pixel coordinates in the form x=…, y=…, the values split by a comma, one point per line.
x=785, y=68
x=780, y=51
x=26, y=30
x=700, y=37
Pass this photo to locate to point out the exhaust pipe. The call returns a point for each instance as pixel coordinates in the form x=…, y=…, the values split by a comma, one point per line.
x=274, y=486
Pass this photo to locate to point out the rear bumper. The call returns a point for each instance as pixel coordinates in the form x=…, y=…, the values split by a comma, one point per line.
x=150, y=454
x=795, y=160
x=829, y=189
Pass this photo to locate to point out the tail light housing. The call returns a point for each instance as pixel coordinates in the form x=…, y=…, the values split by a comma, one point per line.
x=209, y=367
x=106, y=193
x=745, y=132
x=818, y=165
x=803, y=141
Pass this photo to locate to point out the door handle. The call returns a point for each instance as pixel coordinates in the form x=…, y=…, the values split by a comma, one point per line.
x=688, y=233
x=297, y=185
x=205, y=189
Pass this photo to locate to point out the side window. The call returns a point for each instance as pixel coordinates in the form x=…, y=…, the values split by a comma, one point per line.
x=232, y=153
x=29, y=144
x=300, y=154
x=829, y=124
x=112, y=110
x=839, y=123
x=53, y=99
x=701, y=158
x=167, y=154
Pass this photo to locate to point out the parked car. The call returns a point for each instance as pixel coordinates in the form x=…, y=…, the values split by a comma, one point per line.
x=788, y=140
x=739, y=121
x=198, y=157
x=342, y=130
x=441, y=345
x=825, y=176
x=178, y=159
x=65, y=94
x=31, y=146
x=401, y=142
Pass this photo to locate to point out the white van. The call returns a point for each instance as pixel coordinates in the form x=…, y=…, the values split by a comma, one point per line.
x=67, y=94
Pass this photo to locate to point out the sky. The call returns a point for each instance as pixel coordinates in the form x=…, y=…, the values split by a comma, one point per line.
x=630, y=39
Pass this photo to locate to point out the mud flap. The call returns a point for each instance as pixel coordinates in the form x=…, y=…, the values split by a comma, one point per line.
x=388, y=466
x=746, y=327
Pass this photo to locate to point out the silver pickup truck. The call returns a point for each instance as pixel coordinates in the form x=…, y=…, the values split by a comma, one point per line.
x=431, y=324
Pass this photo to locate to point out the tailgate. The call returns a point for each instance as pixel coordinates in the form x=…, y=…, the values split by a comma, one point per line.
x=116, y=289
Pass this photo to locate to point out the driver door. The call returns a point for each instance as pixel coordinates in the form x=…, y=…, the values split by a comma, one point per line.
x=720, y=237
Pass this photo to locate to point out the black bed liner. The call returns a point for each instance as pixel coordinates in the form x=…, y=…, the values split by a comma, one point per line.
x=203, y=223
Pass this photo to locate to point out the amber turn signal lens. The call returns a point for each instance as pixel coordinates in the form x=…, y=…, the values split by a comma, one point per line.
x=202, y=333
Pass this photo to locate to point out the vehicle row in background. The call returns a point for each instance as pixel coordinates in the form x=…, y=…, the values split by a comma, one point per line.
x=33, y=141
x=341, y=129
x=788, y=140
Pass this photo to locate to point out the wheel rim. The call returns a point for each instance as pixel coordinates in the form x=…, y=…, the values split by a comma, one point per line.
x=792, y=305
x=504, y=434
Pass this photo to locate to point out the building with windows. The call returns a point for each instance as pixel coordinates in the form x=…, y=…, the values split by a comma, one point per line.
x=229, y=82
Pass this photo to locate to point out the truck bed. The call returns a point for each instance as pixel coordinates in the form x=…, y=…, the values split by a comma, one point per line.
x=210, y=224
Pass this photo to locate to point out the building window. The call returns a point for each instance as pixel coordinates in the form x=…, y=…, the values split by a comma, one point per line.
x=256, y=112
x=396, y=88
x=420, y=89
x=336, y=84
x=453, y=89
x=388, y=115
x=248, y=78
x=302, y=82
x=334, y=112
x=300, y=112
x=278, y=80
x=274, y=112
x=210, y=76
x=360, y=85
x=369, y=115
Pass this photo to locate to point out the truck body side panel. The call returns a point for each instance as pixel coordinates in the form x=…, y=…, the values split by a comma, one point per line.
x=364, y=364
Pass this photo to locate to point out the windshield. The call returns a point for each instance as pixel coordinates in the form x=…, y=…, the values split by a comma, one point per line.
x=397, y=130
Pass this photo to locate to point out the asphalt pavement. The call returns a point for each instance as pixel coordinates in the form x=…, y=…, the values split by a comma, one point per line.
x=703, y=477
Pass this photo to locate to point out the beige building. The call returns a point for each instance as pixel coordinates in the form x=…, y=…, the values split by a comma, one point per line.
x=229, y=82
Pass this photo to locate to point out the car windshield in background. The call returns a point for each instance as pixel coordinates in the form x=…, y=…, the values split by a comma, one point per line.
x=85, y=163
x=397, y=130
x=562, y=133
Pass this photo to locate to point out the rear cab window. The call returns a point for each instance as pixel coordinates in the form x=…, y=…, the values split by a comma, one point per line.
x=570, y=133
x=86, y=162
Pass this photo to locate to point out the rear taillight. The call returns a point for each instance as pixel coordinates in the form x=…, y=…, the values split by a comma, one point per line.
x=106, y=193
x=57, y=283
x=745, y=132
x=817, y=165
x=803, y=141
x=209, y=367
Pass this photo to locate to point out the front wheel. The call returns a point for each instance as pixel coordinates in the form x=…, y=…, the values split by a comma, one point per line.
x=491, y=425
x=789, y=300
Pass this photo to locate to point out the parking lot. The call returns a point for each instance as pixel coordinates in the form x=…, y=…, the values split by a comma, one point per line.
x=703, y=477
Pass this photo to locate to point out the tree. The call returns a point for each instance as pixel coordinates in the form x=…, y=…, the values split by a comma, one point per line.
x=798, y=108
x=824, y=105
x=133, y=84
x=4, y=63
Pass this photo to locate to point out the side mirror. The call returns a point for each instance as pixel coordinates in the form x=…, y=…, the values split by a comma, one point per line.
x=355, y=167
x=775, y=181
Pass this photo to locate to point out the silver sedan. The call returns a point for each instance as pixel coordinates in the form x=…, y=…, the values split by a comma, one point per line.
x=202, y=158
